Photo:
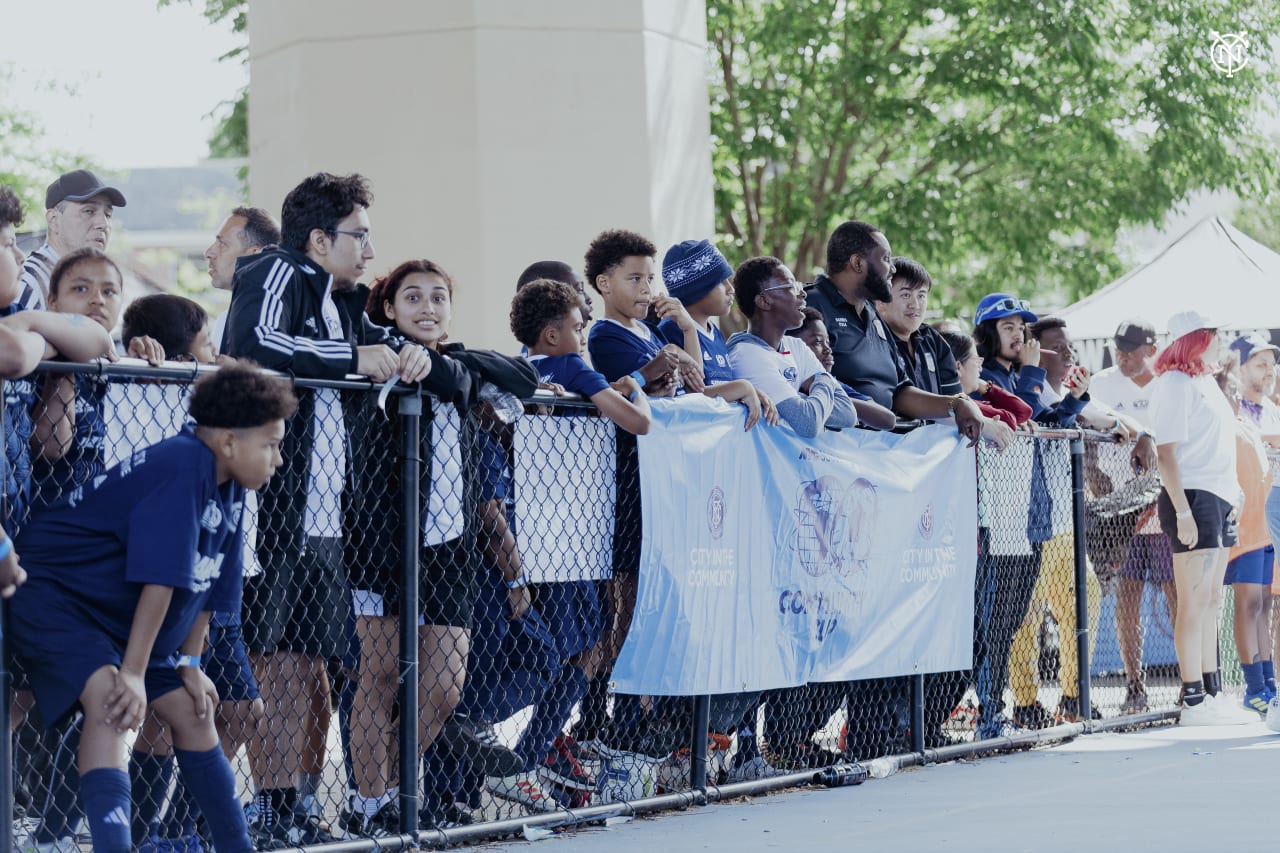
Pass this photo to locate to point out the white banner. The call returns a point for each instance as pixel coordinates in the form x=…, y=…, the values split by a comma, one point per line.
x=769, y=560
x=564, y=490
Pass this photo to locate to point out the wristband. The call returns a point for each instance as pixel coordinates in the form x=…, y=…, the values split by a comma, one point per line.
x=520, y=581
x=192, y=661
x=6, y=547
x=639, y=378
x=632, y=396
x=952, y=401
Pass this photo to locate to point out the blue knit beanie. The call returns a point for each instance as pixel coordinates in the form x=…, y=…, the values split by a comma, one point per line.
x=692, y=269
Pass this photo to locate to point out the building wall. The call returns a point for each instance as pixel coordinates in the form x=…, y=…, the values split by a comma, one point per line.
x=495, y=132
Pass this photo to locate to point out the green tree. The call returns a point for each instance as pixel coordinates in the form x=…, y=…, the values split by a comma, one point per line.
x=27, y=163
x=1000, y=142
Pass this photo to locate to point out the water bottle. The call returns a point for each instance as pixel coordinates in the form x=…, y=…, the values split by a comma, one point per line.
x=839, y=775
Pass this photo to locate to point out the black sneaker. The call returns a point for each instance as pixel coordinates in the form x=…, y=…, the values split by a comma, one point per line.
x=475, y=741
x=1033, y=716
x=303, y=828
x=381, y=825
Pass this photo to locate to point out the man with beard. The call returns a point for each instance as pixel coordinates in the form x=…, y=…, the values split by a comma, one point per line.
x=859, y=274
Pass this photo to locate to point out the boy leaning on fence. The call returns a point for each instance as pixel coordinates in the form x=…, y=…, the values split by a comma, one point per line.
x=115, y=612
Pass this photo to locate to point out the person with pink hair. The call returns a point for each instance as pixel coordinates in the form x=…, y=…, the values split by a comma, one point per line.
x=1199, y=502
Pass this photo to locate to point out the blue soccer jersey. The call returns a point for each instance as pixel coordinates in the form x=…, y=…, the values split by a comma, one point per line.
x=85, y=456
x=159, y=517
x=715, y=352
x=19, y=397
x=617, y=350
x=570, y=372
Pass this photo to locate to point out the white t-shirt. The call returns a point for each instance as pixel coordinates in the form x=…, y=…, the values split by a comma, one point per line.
x=328, y=449
x=1122, y=395
x=1194, y=414
x=778, y=373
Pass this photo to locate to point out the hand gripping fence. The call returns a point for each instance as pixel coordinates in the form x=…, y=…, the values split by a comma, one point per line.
x=404, y=704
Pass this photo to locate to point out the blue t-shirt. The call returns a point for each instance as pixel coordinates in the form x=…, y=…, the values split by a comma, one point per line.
x=715, y=352
x=19, y=398
x=617, y=350
x=85, y=457
x=159, y=517
x=570, y=372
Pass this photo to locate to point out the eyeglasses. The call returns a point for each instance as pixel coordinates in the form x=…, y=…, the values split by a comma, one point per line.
x=362, y=237
x=794, y=287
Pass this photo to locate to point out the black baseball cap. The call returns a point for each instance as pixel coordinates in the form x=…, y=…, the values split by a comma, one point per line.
x=1133, y=334
x=80, y=185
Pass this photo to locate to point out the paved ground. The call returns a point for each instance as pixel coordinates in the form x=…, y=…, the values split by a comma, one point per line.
x=1166, y=789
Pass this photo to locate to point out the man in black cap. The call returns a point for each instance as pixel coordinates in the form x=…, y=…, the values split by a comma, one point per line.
x=78, y=209
x=1126, y=389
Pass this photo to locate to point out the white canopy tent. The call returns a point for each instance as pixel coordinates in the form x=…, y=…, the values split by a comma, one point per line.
x=1213, y=268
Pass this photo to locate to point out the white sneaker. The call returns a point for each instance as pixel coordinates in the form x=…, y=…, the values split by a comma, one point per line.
x=1203, y=714
x=1273, y=715
x=1231, y=713
x=522, y=788
x=754, y=769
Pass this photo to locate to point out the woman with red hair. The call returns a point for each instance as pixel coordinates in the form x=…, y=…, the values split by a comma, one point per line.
x=1196, y=453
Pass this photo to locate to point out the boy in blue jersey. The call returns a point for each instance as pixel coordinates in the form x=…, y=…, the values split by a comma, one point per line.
x=698, y=276
x=547, y=317
x=122, y=575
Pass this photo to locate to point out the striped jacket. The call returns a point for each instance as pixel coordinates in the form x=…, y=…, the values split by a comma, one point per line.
x=276, y=318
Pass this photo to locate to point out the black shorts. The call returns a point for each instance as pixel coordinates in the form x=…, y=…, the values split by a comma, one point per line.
x=1212, y=515
x=302, y=606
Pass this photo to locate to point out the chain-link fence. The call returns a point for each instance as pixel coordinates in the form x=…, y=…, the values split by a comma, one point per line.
x=438, y=595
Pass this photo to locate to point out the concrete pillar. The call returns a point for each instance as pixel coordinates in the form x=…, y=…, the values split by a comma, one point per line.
x=495, y=132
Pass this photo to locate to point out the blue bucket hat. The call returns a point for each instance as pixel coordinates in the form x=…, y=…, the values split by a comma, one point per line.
x=692, y=269
x=995, y=306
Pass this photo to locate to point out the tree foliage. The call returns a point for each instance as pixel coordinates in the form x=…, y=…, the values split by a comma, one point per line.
x=27, y=163
x=1000, y=142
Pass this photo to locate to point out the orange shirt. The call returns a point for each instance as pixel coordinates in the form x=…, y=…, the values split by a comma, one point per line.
x=1254, y=474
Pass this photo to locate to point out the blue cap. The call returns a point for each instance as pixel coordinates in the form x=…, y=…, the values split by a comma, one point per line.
x=1250, y=345
x=693, y=269
x=995, y=306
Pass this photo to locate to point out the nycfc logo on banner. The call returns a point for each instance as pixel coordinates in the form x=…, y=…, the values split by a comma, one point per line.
x=926, y=522
x=835, y=525
x=1229, y=53
x=715, y=513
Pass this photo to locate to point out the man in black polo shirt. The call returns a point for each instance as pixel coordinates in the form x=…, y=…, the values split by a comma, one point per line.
x=859, y=273
x=926, y=357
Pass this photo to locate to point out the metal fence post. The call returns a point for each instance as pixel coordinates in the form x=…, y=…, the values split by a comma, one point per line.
x=1082, y=568
x=410, y=408
x=917, y=712
x=698, y=742
x=6, y=688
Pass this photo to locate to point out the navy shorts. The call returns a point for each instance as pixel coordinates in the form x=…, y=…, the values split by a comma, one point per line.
x=574, y=613
x=227, y=660
x=1252, y=567
x=1149, y=559
x=60, y=647
x=1212, y=514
